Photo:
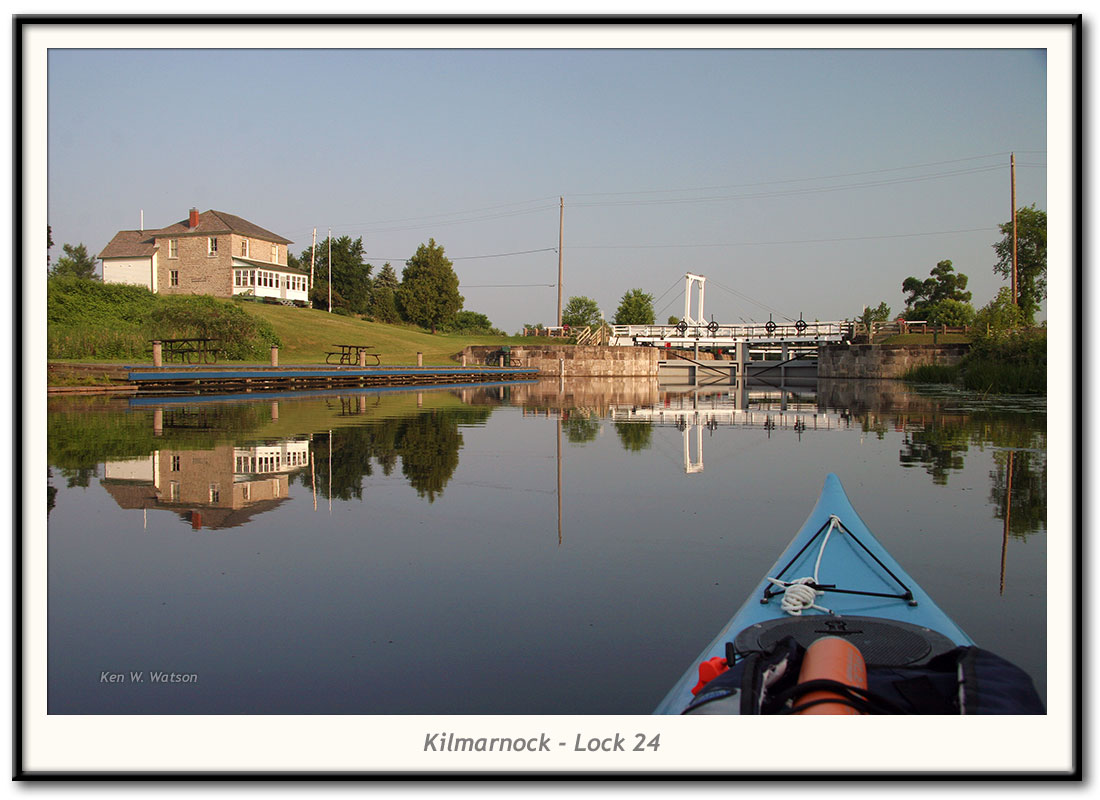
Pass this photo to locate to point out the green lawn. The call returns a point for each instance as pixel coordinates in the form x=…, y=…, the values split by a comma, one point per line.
x=307, y=334
x=928, y=338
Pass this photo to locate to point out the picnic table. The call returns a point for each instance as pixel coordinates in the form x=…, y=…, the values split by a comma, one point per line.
x=201, y=350
x=349, y=354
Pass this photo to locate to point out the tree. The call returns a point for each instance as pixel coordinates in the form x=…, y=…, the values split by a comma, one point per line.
x=636, y=308
x=428, y=294
x=471, y=322
x=49, y=245
x=581, y=312
x=999, y=316
x=383, y=306
x=880, y=313
x=1031, y=258
x=949, y=312
x=75, y=263
x=351, y=282
x=945, y=284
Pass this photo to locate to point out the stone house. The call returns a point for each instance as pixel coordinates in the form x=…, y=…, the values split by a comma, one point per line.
x=212, y=253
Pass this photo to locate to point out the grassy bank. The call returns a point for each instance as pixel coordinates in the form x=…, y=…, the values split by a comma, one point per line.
x=1013, y=363
x=306, y=334
x=89, y=321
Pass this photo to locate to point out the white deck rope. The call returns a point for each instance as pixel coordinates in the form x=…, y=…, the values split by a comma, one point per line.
x=798, y=595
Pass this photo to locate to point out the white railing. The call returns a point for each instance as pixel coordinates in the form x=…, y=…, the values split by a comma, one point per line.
x=757, y=331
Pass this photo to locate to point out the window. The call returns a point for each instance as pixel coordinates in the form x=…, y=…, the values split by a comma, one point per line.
x=244, y=248
x=173, y=248
x=173, y=277
x=174, y=490
x=175, y=463
x=212, y=246
x=275, y=253
x=215, y=493
x=248, y=491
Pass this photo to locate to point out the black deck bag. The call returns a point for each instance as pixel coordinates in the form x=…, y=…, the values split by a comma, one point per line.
x=965, y=680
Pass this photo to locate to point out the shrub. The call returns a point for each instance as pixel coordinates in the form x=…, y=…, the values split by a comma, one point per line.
x=950, y=312
x=89, y=319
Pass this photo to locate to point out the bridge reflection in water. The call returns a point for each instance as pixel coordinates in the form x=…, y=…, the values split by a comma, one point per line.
x=768, y=407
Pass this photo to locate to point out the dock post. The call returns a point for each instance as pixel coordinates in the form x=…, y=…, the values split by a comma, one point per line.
x=158, y=354
x=362, y=358
x=463, y=359
x=274, y=355
x=419, y=359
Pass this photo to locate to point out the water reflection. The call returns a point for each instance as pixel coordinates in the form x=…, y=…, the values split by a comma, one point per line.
x=535, y=525
x=223, y=487
x=199, y=458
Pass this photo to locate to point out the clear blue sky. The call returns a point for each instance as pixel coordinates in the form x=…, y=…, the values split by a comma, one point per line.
x=798, y=181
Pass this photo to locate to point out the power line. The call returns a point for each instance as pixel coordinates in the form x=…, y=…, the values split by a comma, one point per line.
x=779, y=242
x=792, y=192
x=468, y=258
x=803, y=180
x=507, y=285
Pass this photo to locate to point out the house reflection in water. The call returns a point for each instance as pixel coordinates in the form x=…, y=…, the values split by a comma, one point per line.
x=219, y=488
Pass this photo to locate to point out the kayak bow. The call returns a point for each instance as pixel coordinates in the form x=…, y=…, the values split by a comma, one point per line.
x=834, y=579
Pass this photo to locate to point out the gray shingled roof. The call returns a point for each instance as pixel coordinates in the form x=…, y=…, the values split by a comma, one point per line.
x=211, y=222
x=140, y=244
x=130, y=244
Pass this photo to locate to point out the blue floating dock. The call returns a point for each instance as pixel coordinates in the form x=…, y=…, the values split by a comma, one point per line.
x=268, y=379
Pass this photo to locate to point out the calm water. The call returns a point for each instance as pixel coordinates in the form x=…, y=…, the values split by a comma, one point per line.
x=532, y=548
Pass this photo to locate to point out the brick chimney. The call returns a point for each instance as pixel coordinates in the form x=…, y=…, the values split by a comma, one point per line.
x=193, y=222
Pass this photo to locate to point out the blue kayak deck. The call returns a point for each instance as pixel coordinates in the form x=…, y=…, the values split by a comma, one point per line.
x=851, y=559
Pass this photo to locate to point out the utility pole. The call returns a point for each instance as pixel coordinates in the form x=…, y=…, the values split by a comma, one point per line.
x=561, y=235
x=1015, y=263
x=330, y=270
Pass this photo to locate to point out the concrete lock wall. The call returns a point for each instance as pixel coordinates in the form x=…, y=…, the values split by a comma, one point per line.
x=883, y=360
x=576, y=361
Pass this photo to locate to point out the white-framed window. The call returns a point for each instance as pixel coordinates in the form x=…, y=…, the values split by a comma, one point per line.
x=275, y=254
x=247, y=495
x=173, y=277
x=175, y=463
x=212, y=245
x=174, y=490
x=173, y=248
x=215, y=493
x=244, y=248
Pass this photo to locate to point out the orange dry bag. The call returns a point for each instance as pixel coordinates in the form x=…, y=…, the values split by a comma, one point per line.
x=831, y=658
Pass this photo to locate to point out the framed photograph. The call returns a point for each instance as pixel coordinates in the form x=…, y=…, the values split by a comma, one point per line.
x=526, y=397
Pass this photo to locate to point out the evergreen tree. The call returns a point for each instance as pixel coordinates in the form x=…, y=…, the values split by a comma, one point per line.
x=75, y=263
x=351, y=281
x=428, y=294
x=384, y=296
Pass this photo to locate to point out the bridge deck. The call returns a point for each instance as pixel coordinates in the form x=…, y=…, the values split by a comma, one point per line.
x=768, y=334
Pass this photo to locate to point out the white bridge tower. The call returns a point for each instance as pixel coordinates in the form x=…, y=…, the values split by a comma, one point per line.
x=689, y=280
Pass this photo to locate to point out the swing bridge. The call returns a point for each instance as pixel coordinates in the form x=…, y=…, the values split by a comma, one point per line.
x=732, y=350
